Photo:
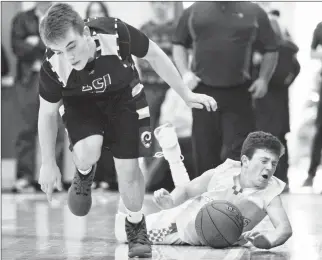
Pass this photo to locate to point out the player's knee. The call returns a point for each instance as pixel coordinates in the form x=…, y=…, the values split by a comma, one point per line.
x=88, y=151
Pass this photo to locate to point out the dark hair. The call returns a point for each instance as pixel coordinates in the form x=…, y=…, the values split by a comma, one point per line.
x=58, y=20
x=275, y=12
x=261, y=140
x=102, y=5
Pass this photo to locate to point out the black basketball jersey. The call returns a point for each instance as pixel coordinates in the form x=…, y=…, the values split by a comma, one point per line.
x=112, y=69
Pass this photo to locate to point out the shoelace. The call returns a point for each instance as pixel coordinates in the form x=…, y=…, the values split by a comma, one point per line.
x=135, y=234
x=160, y=155
x=82, y=186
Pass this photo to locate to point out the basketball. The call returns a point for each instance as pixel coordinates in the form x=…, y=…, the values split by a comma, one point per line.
x=219, y=224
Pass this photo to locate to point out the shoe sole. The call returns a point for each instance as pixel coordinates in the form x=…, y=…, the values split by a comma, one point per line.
x=140, y=253
x=145, y=255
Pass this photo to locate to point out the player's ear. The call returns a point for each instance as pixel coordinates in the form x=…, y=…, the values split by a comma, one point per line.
x=244, y=160
x=87, y=32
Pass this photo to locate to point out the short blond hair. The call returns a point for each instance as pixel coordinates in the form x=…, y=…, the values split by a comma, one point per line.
x=57, y=21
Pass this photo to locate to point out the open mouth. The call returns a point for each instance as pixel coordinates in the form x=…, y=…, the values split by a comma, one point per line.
x=265, y=176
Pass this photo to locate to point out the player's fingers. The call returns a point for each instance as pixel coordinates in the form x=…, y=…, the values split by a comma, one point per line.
x=255, y=234
x=157, y=195
x=42, y=186
x=49, y=192
x=252, y=88
x=197, y=105
x=59, y=184
x=205, y=102
x=213, y=104
x=164, y=192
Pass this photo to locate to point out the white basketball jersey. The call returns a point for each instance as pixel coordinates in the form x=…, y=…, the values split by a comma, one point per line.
x=252, y=203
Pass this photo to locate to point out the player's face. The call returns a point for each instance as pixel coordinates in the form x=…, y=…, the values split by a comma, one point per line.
x=75, y=49
x=261, y=167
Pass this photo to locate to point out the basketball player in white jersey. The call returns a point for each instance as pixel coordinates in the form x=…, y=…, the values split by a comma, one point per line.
x=249, y=184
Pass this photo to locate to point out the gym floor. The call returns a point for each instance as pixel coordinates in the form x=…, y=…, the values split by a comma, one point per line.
x=31, y=229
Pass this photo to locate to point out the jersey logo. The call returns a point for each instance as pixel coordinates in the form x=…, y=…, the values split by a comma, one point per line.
x=99, y=85
x=246, y=221
x=146, y=139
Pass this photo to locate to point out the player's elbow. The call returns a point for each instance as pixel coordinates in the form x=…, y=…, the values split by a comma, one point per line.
x=288, y=231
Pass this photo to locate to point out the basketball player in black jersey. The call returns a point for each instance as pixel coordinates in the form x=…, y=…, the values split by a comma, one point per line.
x=88, y=75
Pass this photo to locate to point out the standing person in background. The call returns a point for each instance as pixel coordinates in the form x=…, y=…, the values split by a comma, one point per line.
x=29, y=50
x=272, y=111
x=105, y=177
x=316, y=53
x=221, y=35
x=159, y=29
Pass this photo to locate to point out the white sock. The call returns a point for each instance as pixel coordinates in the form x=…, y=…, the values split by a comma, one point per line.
x=134, y=217
x=86, y=171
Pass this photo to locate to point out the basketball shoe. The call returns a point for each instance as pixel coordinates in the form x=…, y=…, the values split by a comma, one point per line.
x=137, y=237
x=80, y=194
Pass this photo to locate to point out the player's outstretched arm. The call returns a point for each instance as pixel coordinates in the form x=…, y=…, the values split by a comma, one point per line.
x=282, y=232
x=164, y=67
x=279, y=219
x=47, y=130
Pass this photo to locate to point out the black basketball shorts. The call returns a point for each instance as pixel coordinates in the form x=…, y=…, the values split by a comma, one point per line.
x=122, y=118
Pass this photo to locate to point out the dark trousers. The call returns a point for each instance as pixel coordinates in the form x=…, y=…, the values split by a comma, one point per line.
x=219, y=135
x=28, y=108
x=317, y=140
x=272, y=116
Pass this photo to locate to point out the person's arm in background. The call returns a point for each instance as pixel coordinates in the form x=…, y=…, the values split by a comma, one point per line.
x=182, y=43
x=316, y=45
x=267, y=44
x=142, y=47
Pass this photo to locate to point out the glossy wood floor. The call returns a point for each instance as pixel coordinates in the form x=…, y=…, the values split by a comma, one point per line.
x=31, y=229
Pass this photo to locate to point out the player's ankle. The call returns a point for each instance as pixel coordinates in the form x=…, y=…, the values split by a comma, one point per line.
x=134, y=217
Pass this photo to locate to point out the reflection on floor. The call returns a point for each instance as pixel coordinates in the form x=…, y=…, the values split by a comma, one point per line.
x=33, y=230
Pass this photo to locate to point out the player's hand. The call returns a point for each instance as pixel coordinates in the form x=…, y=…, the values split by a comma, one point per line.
x=259, y=240
x=163, y=199
x=258, y=88
x=33, y=40
x=194, y=100
x=49, y=176
x=191, y=80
